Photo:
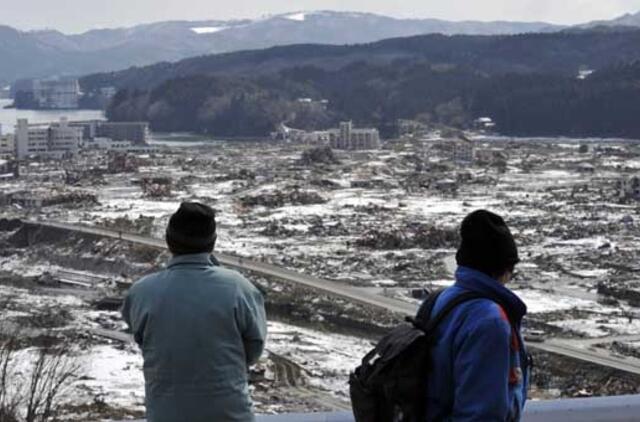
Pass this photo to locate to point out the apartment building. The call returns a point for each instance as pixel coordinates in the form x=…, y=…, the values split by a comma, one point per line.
x=350, y=138
x=55, y=140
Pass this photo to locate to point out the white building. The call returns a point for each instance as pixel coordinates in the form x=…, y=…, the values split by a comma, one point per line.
x=346, y=137
x=55, y=140
x=56, y=93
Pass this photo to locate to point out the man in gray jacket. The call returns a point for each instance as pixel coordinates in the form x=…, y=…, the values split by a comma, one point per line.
x=199, y=326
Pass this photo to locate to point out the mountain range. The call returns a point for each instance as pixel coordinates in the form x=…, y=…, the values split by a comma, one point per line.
x=47, y=53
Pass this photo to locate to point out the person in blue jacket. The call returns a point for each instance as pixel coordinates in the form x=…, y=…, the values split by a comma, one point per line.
x=479, y=365
x=199, y=325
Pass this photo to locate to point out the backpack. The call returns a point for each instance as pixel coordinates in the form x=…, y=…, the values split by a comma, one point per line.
x=390, y=384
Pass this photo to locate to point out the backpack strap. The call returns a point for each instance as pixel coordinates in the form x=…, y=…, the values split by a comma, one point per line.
x=425, y=322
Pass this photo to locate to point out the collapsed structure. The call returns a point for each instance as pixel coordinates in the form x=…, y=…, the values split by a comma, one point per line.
x=344, y=137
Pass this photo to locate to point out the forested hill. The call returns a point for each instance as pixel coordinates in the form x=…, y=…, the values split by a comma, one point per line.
x=527, y=83
x=561, y=52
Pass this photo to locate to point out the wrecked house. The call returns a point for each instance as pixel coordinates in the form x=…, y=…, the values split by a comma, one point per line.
x=458, y=149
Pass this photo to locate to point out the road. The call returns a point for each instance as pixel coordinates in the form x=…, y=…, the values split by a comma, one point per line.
x=355, y=294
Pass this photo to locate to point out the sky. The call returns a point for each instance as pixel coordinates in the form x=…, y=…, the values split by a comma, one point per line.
x=73, y=16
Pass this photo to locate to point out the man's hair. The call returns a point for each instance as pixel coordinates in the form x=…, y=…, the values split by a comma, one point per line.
x=191, y=229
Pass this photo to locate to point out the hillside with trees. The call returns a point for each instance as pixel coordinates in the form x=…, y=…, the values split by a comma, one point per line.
x=527, y=83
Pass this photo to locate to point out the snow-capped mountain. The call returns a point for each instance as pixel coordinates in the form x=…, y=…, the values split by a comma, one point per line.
x=50, y=52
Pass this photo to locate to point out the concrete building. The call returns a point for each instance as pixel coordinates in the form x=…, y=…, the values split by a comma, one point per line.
x=107, y=144
x=7, y=147
x=347, y=137
x=54, y=140
x=52, y=94
x=134, y=132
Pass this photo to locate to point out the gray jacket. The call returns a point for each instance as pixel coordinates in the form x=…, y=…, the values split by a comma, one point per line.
x=199, y=326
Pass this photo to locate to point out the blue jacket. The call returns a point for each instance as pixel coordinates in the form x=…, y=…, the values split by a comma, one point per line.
x=199, y=326
x=479, y=366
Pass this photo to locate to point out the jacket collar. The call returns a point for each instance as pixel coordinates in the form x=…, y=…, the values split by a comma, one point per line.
x=470, y=279
x=205, y=259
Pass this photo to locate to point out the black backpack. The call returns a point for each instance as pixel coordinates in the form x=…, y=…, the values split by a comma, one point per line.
x=390, y=384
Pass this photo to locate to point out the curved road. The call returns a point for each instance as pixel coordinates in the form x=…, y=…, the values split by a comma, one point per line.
x=557, y=346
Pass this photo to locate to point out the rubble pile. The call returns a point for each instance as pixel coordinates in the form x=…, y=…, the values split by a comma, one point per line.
x=277, y=229
x=370, y=208
x=9, y=224
x=120, y=162
x=581, y=230
x=143, y=225
x=625, y=349
x=242, y=174
x=578, y=379
x=319, y=228
x=40, y=199
x=157, y=187
x=373, y=183
x=279, y=199
x=411, y=236
x=619, y=292
x=319, y=155
x=91, y=177
x=325, y=183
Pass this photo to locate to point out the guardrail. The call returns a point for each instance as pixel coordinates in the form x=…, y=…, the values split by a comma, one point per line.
x=600, y=409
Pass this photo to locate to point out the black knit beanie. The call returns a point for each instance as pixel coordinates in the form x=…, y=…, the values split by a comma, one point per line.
x=192, y=229
x=487, y=244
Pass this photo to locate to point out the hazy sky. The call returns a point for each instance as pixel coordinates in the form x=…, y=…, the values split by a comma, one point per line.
x=80, y=15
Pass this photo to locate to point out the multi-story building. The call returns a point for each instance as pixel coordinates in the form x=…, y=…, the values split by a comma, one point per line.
x=56, y=94
x=134, y=132
x=347, y=137
x=54, y=140
x=7, y=146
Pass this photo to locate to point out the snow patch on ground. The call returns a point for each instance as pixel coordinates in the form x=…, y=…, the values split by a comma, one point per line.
x=601, y=327
x=539, y=301
x=328, y=357
x=113, y=374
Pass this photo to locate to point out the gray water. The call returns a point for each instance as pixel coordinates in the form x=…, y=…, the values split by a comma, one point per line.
x=9, y=116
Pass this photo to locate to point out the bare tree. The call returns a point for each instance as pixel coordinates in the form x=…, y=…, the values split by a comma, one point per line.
x=32, y=395
x=10, y=400
x=53, y=371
